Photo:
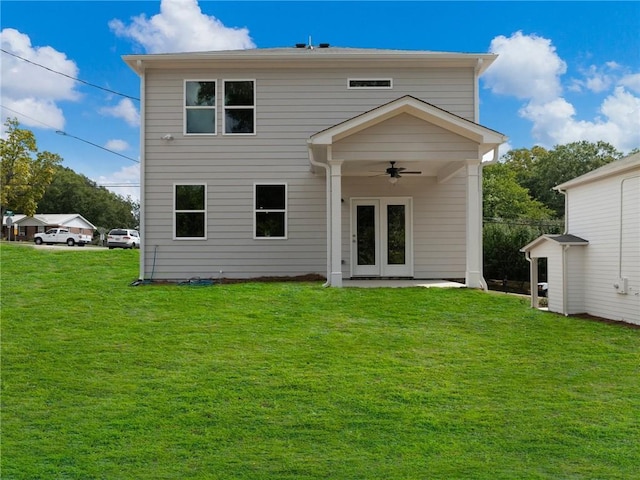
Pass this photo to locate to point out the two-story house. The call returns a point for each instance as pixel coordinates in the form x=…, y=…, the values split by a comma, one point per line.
x=349, y=163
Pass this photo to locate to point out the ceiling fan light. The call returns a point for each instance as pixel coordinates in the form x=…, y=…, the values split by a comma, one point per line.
x=393, y=180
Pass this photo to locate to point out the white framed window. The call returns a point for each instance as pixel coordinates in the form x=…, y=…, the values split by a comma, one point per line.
x=200, y=107
x=370, y=83
x=189, y=211
x=270, y=211
x=239, y=107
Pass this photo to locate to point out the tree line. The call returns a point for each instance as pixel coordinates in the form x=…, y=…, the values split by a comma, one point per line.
x=33, y=181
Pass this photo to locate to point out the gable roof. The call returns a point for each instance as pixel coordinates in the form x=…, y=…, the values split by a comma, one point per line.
x=560, y=239
x=487, y=138
x=292, y=57
x=50, y=219
x=629, y=163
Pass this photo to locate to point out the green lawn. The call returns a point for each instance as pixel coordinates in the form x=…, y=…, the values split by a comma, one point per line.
x=103, y=380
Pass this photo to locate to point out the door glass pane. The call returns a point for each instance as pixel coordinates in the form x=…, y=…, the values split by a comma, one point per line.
x=396, y=233
x=366, y=234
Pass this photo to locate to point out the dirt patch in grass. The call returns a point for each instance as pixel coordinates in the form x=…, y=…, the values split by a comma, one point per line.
x=310, y=277
x=593, y=318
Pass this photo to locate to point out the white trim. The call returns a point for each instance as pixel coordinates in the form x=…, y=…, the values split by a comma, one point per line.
x=143, y=163
x=174, y=211
x=487, y=139
x=285, y=210
x=351, y=87
x=382, y=267
x=199, y=107
x=239, y=107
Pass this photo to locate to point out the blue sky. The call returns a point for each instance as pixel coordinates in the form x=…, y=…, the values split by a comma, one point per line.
x=566, y=71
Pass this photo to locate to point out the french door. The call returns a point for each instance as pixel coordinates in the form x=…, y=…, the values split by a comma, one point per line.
x=381, y=237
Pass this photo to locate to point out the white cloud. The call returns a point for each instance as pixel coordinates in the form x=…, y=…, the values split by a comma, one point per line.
x=554, y=122
x=117, y=145
x=125, y=182
x=632, y=82
x=125, y=110
x=596, y=79
x=181, y=27
x=529, y=69
x=32, y=90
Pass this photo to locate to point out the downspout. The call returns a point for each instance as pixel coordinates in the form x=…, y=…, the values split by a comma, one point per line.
x=565, y=296
x=566, y=210
x=328, y=209
x=142, y=168
x=621, y=220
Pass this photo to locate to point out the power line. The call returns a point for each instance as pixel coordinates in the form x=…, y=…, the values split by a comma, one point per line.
x=61, y=132
x=114, y=185
x=69, y=76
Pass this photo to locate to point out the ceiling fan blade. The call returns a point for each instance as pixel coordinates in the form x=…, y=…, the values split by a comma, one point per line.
x=412, y=173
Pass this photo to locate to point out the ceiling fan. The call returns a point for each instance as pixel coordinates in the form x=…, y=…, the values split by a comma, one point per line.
x=394, y=172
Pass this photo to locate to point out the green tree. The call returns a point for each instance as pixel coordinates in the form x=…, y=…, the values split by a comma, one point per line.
x=502, y=243
x=504, y=197
x=70, y=192
x=24, y=171
x=539, y=170
x=565, y=162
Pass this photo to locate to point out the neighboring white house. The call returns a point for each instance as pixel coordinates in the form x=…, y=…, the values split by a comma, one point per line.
x=25, y=227
x=349, y=163
x=595, y=267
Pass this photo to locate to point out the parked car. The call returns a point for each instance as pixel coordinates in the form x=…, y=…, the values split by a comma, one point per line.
x=123, y=238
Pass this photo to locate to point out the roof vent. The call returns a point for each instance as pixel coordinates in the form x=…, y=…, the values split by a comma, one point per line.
x=323, y=45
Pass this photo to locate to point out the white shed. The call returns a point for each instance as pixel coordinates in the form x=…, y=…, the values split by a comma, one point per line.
x=594, y=268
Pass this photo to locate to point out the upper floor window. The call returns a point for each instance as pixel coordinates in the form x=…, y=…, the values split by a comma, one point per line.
x=239, y=107
x=200, y=107
x=270, y=202
x=370, y=83
x=190, y=214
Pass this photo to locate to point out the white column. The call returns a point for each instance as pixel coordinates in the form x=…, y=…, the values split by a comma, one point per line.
x=336, y=222
x=533, y=280
x=473, y=275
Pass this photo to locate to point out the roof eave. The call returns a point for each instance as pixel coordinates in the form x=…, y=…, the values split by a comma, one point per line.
x=302, y=58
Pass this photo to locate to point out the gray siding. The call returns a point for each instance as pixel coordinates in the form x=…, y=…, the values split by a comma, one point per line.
x=439, y=213
x=405, y=137
x=290, y=107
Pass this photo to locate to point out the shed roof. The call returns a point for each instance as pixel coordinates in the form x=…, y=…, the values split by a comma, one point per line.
x=560, y=239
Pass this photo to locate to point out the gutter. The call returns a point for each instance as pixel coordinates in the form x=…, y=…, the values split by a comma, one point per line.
x=328, y=209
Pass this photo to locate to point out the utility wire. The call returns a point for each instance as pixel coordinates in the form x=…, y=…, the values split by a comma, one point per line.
x=61, y=132
x=69, y=76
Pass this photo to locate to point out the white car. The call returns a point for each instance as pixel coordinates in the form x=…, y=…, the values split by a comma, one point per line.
x=123, y=238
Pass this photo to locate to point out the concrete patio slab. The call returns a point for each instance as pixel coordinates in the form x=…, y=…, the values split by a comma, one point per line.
x=379, y=283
